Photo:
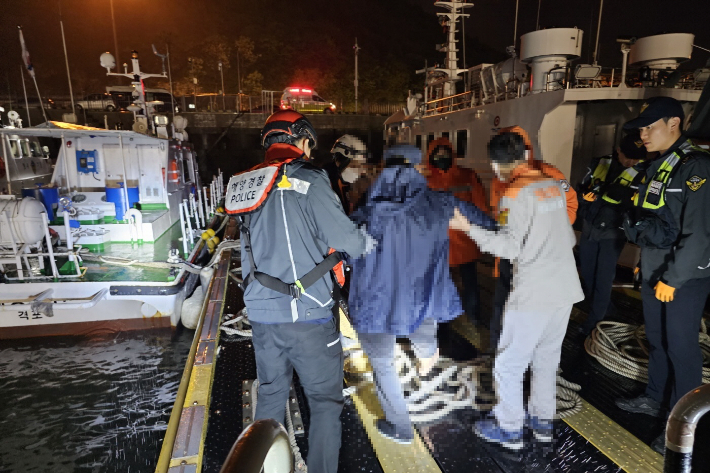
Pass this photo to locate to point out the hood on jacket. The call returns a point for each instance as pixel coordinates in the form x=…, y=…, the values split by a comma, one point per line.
x=279, y=151
x=431, y=150
x=396, y=189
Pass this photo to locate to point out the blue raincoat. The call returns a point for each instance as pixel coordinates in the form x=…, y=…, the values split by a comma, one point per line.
x=406, y=278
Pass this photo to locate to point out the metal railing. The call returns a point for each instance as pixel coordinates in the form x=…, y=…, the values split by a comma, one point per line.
x=680, y=429
x=264, y=444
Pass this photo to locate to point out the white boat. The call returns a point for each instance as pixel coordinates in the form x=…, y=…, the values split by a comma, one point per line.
x=572, y=112
x=128, y=210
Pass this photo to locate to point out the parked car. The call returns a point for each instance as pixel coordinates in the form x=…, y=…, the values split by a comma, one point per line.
x=97, y=102
x=305, y=100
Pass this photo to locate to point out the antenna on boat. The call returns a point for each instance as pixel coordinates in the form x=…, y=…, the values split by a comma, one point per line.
x=515, y=28
x=599, y=25
x=537, y=23
x=109, y=62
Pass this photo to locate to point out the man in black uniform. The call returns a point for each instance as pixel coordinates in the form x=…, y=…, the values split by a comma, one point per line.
x=605, y=194
x=671, y=224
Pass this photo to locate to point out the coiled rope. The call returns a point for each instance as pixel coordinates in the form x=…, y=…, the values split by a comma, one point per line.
x=622, y=348
x=458, y=385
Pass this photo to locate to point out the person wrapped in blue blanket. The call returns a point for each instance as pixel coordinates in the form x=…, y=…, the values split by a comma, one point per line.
x=403, y=288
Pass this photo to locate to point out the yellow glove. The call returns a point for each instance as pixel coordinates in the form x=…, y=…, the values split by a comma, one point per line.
x=664, y=292
x=590, y=196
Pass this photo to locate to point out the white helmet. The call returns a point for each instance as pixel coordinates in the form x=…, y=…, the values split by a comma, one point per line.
x=351, y=147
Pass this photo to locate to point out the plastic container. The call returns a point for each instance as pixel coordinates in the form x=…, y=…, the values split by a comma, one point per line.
x=115, y=195
x=49, y=196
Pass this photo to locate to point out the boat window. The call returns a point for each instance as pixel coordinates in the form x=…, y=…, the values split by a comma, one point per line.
x=25, y=148
x=36, y=149
x=15, y=149
x=445, y=135
x=429, y=138
x=419, y=141
x=461, y=142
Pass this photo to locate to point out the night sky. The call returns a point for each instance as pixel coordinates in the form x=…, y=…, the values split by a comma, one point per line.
x=139, y=23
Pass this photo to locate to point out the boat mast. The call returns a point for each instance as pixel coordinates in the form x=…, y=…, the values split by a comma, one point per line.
x=449, y=19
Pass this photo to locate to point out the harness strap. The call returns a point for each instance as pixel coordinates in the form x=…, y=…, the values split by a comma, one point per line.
x=275, y=284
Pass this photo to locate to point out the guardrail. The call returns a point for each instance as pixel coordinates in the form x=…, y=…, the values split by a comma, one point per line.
x=264, y=444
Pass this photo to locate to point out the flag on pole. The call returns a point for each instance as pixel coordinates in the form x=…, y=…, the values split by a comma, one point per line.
x=26, y=54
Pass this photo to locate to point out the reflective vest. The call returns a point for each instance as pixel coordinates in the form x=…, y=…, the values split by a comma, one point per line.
x=599, y=174
x=624, y=179
x=655, y=196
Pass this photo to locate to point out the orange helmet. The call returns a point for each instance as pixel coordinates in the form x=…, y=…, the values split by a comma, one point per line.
x=287, y=126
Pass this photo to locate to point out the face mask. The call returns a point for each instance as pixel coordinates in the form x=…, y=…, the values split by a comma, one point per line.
x=443, y=162
x=350, y=174
x=496, y=170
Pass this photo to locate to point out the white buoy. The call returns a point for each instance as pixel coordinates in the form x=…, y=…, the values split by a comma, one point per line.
x=191, y=309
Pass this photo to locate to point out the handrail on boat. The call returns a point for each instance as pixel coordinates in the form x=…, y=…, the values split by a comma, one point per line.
x=680, y=429
x=263, y=444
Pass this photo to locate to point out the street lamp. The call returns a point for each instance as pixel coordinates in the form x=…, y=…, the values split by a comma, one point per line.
x=221, y=74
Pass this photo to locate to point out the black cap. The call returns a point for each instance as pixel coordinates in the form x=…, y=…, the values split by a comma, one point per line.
x=654, y=109
x=506, y=148
x=632, y=146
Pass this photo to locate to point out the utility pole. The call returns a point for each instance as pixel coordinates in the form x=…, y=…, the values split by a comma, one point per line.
x=357, y=49
x=239, y=82
x=221, y=74
x=115, y=41
x=194, y=82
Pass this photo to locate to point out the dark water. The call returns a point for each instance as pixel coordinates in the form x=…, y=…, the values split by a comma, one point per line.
x=90, y=404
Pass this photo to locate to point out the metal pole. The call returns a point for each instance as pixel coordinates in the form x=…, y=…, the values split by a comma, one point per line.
x=515, y=29
x=125, y=174
x=24, y=89
x=66, y=60
x=239, y=83
x=357, y=48
x=538, y=15
x=115, y=41
x=599, y=26
x=7, y=164
x=221, y=74
x=41, y=104
x=170, y=78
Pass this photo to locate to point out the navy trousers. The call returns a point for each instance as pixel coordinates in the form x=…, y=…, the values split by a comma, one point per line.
x=675, y=361
x=598, y=267
x=315, y=352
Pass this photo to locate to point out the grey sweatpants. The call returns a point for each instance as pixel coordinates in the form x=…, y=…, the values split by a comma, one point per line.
x=315, y=352
x=379, y=348
x=529, y=338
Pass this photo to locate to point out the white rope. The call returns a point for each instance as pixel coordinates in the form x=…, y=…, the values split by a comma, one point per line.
x=622, y=348
x=457, y=386
x=240, y=320
x=297, y=457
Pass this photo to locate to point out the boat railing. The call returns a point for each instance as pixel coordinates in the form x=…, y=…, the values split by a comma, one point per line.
x=264, y=444
x=680, y=429
x=491, y=90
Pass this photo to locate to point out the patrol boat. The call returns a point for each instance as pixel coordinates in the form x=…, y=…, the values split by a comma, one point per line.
x=100, y=230
x=573, y=112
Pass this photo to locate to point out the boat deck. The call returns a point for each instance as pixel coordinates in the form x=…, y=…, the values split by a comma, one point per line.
x=146, y=252
x=600, y=438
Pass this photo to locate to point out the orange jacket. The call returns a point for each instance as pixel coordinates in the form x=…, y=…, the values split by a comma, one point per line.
x=498, y=187
x=465, y=185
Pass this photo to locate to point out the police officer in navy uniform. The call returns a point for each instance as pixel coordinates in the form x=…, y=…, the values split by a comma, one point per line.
x=606, y=192
x=286, y=238
x=671, y=224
